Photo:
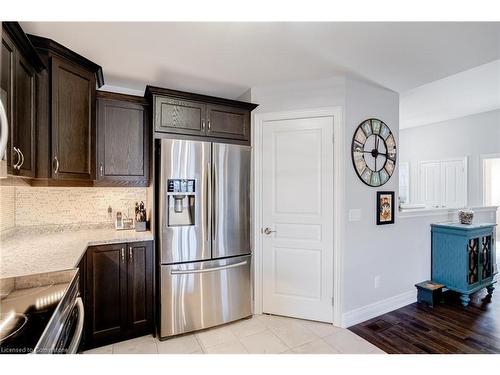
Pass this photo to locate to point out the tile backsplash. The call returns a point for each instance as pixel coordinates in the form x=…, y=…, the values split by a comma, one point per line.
x=7, y=207
x=71, y=205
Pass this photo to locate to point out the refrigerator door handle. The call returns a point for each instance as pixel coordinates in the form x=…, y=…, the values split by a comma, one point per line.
x=208, y=207
x=215, y=220
x=220, y=268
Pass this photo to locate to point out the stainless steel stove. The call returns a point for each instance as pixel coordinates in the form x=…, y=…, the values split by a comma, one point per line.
x=41, y=313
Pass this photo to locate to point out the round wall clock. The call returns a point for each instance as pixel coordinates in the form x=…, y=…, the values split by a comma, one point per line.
x=374, y=152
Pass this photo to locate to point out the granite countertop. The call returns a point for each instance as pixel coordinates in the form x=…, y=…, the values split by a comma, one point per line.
x=26, y=252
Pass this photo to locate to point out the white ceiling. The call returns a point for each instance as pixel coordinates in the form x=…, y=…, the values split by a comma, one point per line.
x=225, y=59
x=473, y=91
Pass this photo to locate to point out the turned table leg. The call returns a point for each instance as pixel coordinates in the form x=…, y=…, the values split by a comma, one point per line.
x=490, y=289
x=465, y=299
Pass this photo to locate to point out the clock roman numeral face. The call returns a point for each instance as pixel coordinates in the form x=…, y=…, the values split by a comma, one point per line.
x=374, y=152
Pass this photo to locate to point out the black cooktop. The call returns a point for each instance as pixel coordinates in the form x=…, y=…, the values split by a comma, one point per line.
x=27, y=305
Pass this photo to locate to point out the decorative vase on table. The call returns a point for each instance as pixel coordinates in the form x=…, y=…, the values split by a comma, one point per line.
x=465, y=216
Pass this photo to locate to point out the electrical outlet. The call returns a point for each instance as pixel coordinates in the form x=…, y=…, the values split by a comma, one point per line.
x=376, y=282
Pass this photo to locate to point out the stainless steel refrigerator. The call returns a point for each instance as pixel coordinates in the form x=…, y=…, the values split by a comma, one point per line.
x=204, y=234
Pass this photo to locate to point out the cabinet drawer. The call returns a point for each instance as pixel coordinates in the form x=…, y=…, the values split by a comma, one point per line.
x=179, y=116
x=228, y=122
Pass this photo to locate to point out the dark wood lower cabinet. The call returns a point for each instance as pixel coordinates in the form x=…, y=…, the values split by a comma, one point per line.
x=140, y=286
x=118, y=292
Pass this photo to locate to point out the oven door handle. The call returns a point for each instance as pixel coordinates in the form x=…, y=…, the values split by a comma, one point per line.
x=75, y=342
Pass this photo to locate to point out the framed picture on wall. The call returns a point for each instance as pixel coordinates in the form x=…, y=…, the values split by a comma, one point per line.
x=385, y=207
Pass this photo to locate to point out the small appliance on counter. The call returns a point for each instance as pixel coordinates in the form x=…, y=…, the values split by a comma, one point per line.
x=123, y=223
x=41, y=313
x=140, y=217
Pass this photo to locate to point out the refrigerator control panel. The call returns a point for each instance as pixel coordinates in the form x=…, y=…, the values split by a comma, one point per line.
x=180, y=186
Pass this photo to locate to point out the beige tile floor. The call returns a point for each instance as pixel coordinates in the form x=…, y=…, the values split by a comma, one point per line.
x=261, y=334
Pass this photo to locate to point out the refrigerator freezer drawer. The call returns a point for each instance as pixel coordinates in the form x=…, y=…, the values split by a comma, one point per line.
x=205, y=294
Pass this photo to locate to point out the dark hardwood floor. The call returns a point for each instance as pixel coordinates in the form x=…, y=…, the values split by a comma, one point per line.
x=446, y=328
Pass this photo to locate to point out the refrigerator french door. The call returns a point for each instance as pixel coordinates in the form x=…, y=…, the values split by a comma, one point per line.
x=204, y=234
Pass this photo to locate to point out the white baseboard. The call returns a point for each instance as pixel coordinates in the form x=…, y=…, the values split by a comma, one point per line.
x=375, y=309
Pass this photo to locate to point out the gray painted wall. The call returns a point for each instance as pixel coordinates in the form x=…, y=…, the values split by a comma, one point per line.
x=466, y=136
x=397, y=255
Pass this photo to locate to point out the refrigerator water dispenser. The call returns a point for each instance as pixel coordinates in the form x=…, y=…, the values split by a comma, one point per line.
x=181, y=202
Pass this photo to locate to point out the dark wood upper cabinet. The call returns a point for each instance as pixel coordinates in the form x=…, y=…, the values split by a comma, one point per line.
x=179, y=116
x=66, y=116
x=24, y=134
x=7, y=94
x=228, y=122
x=183, y=113
x=73, y=124
x=20, y=64
x=123, y=139
x=119, y=292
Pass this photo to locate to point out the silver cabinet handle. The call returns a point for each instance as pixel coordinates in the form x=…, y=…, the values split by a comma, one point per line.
x=183, y=272
x=130, y=253
x=22, y=159
x=57, y=164
x=123, y=255
x=209, y=125
x=18, y=157
x=202, y=124
x=268, y=231
x=101, y=169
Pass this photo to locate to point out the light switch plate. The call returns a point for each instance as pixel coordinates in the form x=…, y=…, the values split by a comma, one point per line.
x=355, y=214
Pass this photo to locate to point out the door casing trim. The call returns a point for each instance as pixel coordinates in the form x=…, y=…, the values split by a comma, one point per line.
x=338, y=143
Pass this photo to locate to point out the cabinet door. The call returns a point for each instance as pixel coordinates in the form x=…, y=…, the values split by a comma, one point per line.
x=106, y=305
x=486, y=257
x=228, y=122
x=7, y=95
x=24, y=125
x=430, y=184
x=179, y=116
x=73, y=124
x=473, y=261
x=453, y=183
x=140, y=286
x=123, y=143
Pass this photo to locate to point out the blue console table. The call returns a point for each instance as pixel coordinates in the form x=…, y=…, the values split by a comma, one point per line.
x=463, y=257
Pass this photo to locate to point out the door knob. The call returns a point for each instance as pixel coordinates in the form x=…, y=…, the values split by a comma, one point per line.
x=268, y=231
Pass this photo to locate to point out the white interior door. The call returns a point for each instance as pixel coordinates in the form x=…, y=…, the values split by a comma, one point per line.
x=297, y=206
